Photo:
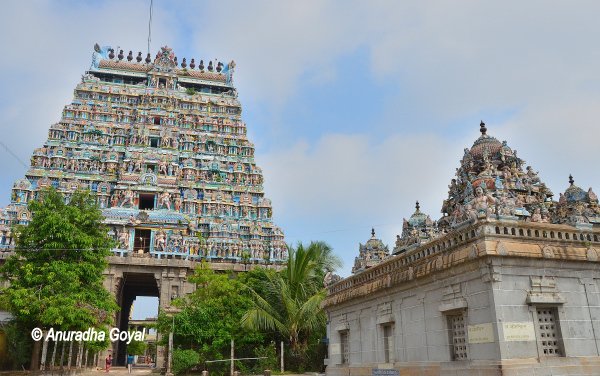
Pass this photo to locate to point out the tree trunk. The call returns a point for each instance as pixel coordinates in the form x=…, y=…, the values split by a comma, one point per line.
x=44, y=355
x=35, y=356
x=79, y=354
x=70, y=355
x=53, y=354
x=62, y=355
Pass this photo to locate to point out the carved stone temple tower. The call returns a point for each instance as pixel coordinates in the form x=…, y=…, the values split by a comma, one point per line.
x=162, y=144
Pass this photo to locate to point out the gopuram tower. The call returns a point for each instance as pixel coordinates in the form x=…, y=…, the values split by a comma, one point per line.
x=162, y=144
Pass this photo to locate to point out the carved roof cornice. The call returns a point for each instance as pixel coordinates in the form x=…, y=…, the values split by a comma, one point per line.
x=492, y=238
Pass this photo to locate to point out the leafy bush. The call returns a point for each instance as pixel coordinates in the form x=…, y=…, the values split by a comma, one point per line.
x=184, y=360
x=271, y=358
x=190, y=91
x=18, y=346
x=136, y=347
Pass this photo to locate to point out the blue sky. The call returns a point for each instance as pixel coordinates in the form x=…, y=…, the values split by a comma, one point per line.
x=357, y=109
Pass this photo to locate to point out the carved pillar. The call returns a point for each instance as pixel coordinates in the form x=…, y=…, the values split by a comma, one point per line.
x=162, y=304
x=113, y=280
x=172, y=283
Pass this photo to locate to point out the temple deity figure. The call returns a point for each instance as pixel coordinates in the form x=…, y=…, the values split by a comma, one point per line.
x=498, y=183
x=164, y=200
x=160, y=241
x=519, y=202
x=592, y=196
x=506, y=203
x=162, y=167
x=123, y=238
x=103, y=202
x=488, y=168
x=505, y=151
x=519, y=184
x=483, y=203
x=127, y=198
x=537, y=215
x=562, y=200
x=468, y=189
x=532, y=175
x=114, y=200
x=177, y=202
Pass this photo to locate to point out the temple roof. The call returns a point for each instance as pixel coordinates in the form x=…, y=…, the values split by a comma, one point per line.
x=370, y=254
x=574, y=193
x=485, y=143
x=419, y=218
x=491, y=181
x=577, y=207
x=418, y=229
x=165, y=62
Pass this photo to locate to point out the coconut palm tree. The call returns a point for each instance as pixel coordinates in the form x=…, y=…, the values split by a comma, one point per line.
x=291, y=299
x=307, y=266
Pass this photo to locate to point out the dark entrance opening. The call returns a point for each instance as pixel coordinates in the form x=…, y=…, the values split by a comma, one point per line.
x=156, y=120
x=146, y=201
x=142, y=241
x=134, y=285
x=154, y=142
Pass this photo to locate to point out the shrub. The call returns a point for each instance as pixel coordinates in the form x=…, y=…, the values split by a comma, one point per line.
x=184, y=360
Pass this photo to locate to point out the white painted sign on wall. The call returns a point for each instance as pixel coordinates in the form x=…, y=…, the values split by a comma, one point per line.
x=481, y=333
x=518, y=331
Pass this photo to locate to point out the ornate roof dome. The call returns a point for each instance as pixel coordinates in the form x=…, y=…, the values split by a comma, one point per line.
x=485, y=143
x=418, y=229
x=373, y=243
x=491, y=181
x=370, y=254
x=419, y=219
x=574, y=193
x=577, y=207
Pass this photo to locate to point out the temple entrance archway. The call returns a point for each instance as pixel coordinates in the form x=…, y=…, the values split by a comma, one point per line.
x=141, y=275
x=132, y=285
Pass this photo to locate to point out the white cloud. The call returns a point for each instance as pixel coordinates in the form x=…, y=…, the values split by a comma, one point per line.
x=46, y=50
x=535, y=62
x=345, y=184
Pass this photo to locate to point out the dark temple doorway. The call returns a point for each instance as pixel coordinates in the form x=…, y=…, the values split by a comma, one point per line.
x=134, y=285
x=141, y=243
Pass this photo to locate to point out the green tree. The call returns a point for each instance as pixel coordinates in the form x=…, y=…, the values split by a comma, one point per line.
x=184, y=360
x=136, y=347
x=55, y=276
x=290, y=301
x=306, y=268
x=209, y=318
